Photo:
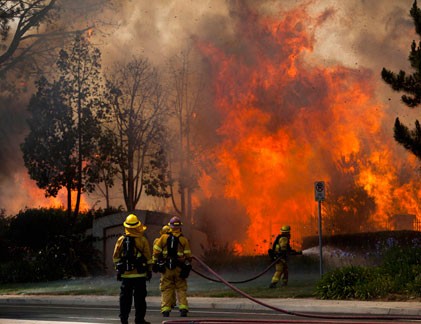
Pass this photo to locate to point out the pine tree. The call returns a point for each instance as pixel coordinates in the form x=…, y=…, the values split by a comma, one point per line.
x=410, y=84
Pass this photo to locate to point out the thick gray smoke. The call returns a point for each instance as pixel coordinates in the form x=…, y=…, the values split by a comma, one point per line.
x=366, y=34
x=12, y=131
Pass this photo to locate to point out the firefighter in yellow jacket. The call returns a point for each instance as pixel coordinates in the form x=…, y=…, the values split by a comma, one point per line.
x=172, y=256
x=164, y=230
x=280, y=250
x=133, y=261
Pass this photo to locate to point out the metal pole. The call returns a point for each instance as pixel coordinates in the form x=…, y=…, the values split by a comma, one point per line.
x=320, y=238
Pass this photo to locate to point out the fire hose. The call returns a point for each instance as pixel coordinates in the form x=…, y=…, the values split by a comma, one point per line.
x=308, y=315
x=241, y=281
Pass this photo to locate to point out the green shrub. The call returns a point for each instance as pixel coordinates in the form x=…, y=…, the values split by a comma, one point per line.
x=353, y=282
x=27, y=271
x=415, y=286
x=16, y=271
x=45, y=244
x=403, y=264
x=38, y=227
x=375, y=284
x=4, y=242
x=400, y=272
x=340, y=283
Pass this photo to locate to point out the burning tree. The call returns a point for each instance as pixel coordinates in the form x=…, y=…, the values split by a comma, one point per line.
x=137, y=111
x=28, y=15
x=409, y=84
x=187, y=96
x=348, y=206
x=31, y=30
x=64, y=127
x=286, y=117
x=31, y=33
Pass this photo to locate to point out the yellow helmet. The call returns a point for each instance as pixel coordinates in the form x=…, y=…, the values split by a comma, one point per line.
x=133, y=222
x=165, y=229
x=285, y=229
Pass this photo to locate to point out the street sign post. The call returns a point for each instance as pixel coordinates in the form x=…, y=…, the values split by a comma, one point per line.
x=319, y=191
x=320, y=195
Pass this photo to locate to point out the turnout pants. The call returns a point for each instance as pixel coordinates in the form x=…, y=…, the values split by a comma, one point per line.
x=133, y=287
x=171, y=284
x=281, y=271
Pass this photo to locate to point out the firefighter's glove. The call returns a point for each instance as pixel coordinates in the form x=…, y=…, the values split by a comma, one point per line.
x=161, y=266
x=185, y=269
x=148, y=275
x=272, y=255
x=155, y=267
x=119, y=267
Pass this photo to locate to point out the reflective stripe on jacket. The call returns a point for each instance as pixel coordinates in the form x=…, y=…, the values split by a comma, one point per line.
x=160, y=246
x=142, y=248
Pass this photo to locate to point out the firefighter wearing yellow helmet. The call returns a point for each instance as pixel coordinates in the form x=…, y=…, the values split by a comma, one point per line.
x=280, y=251
x=133, y=261
x=172, y=255
x=164, y=230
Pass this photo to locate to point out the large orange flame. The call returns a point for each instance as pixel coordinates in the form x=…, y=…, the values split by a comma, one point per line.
x=30, y=196
x=289, y=121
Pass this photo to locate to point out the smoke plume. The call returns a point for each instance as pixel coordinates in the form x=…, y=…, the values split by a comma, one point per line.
x=293, y=95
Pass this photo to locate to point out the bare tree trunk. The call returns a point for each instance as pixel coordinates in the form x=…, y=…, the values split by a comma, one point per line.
x=69, y=201
x=186, y=102
x=189, y=215
x=107, y=197
x=138, y=108
x=80, y=154
x=182, y=182
x=130, y=180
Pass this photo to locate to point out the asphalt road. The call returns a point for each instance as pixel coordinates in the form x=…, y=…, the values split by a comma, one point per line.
x=103, y=309
x=98, y=314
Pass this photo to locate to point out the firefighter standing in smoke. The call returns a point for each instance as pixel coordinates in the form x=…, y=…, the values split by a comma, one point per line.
x=132, y=259
x=281, y=249
x=172, y=256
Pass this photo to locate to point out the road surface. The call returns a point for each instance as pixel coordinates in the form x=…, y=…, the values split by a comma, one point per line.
x=104, y=309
